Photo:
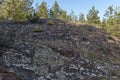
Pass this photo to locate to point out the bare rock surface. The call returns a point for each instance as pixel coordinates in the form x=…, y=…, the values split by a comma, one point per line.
x=63, y=51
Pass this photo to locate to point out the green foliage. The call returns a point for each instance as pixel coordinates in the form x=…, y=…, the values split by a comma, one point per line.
x=69, y=18
x=112, y=24
x=92, y=16
x=110, y=38
x=63, y=15
x=42, y=10
x=21, y=10
x=14, y=10
x=81, y=18
x=50, y=14
x=32, y=16
x=109, y=12
x=37, y=29
x=72, y=16
x=50, y=22
x=55, y=9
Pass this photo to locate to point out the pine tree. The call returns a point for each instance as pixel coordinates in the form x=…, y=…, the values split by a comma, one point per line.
x=50, y=13
x=113, y=21
x=28, y=8
x=42, y=10
x=92, y=16
x=63, y=15
x=117, y=23
x=28, y=3
x=117, y=15
x=81, y=18
x=55, y=9
x=73, y=17
x=69, y=18
x=14, y=10
x=109, y=14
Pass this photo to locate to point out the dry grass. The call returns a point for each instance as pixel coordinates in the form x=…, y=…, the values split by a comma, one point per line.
x=50, y=22
x=37, y=29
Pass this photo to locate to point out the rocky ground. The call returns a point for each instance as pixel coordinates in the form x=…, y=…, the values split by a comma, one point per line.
x=61, y=51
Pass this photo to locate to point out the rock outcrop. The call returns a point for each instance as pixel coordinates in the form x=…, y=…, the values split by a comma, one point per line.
x=62, y=51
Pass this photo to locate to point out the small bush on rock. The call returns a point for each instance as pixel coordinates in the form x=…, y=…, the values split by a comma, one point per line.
x=50, y=22
x=32, y=17
x=37, y=29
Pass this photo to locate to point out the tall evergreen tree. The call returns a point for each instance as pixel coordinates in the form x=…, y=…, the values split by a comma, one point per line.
x=92, y=16
x=81, y=17
x=42, y=10
x=117, y=15
x=109, y=14
x=14, y=10
x=55, y=9
x=117, y=22
x=69, y=18
x=75, y=18
x=72, y=16
x=63, y=15
x=113, y=21
x=29, y=7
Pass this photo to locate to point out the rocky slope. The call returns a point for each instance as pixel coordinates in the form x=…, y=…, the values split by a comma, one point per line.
x=61, y=51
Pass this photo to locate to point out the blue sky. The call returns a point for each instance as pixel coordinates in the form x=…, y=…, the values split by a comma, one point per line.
x=82, y=6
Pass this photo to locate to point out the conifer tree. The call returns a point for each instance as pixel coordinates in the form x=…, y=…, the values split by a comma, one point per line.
x=55, y=9
x=72, y=15
x=109, y=14
x=81, y=18
x=14, y=9
x=28, y=4
x=42, y=10
x=92, y=16
x=113, y=21
x=63, y=15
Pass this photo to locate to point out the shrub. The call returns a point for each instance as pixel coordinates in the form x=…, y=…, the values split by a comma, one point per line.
x=110, y=38
x=32, y=17
x=50, y=22
x=37, y=29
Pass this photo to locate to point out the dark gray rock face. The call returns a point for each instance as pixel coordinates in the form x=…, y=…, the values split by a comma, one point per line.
x=59, y=52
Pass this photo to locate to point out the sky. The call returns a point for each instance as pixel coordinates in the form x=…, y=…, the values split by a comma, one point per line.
x=81, y=6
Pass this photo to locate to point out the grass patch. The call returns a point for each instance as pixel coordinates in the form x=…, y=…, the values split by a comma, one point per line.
x=37, y=29
x=50, y=22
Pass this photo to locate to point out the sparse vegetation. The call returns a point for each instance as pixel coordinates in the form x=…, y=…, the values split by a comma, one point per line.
x=70, y=42
x=56, y=42
x=37, y=29
x=110, y=38
x=50, y=22
x=23, y=10
x=32, y=16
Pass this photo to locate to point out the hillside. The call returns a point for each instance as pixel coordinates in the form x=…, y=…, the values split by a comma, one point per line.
x=57, y=50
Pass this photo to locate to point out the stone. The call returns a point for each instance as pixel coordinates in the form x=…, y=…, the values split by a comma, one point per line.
x=55, y=53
